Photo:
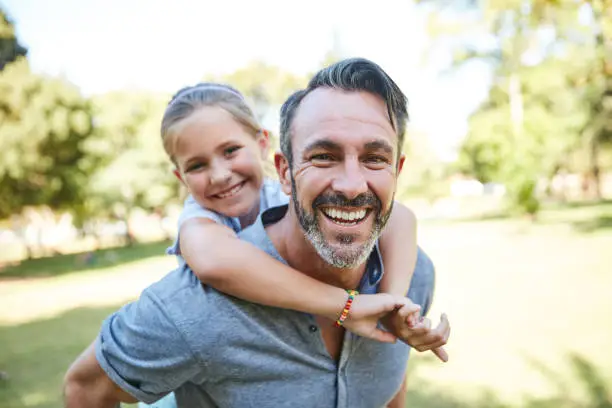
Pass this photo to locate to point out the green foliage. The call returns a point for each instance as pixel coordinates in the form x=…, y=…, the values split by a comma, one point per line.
x=136, y=171
x=44, y=126
x=265, y=85
x=10, y=48
x=551, y=93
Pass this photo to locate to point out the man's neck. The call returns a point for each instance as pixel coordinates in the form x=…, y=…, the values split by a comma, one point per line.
x=292, y=245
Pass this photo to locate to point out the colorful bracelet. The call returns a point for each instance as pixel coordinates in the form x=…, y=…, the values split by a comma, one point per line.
x=347, y=307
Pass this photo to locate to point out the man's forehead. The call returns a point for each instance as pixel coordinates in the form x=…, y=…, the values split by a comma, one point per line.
x=326, y=105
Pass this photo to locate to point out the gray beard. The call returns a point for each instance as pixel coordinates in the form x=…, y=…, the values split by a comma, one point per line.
x=345, y=258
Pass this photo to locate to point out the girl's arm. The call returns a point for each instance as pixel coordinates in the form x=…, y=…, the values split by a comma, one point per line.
x=399, y=251
x=219, y=259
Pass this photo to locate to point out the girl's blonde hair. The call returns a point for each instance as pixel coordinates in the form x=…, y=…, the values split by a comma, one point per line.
x=188, y=100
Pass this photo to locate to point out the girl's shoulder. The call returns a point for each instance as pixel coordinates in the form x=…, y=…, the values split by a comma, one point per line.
x=272, y=195
x=192, y=209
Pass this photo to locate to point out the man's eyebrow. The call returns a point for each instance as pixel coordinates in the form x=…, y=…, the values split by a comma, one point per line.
x=379, y=145
x=323, y=145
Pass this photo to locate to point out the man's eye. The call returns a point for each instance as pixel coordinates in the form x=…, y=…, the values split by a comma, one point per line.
x=322, y=157
x=230, y=150
x=376, y=160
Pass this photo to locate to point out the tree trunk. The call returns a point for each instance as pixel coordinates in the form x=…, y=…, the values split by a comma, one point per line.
x=595, y=171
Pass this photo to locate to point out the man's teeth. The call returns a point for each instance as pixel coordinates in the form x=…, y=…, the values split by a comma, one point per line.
x=228, y=193
x=347, y=216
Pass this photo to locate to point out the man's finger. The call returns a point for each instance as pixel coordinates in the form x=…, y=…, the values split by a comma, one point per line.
x=441, y=353
x=439, y=336
x=443, y=328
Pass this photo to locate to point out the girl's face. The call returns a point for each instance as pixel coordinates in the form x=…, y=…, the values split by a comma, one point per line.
x=219, y=161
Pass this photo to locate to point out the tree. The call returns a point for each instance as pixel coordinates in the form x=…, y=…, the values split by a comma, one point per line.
x=136, y=171
x=44, y=126
x=265, y=85
x=10, y=48
x=597, y=87
x=45, y=165
x=540, y=105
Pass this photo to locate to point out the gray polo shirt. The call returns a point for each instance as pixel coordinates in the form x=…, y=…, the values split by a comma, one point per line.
x=214, y=350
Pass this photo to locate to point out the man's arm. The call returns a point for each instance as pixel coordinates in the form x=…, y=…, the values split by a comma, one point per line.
x=87, y=385
x=140, y=354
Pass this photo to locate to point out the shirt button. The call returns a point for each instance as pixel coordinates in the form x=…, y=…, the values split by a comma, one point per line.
x=313, y=328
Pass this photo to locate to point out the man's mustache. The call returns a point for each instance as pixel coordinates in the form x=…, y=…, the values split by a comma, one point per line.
x=340, y=200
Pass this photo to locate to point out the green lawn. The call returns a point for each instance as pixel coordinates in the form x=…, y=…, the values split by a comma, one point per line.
x=65, y=264
x=521, y=299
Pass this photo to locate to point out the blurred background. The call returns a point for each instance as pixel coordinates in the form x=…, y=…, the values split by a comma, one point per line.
x=509, y=170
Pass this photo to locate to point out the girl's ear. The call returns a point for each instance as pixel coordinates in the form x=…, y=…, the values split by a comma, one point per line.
x=178, y=175
x=263, y=141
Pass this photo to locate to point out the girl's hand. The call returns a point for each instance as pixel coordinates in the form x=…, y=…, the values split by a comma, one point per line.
x=419, y=335
x=367, y=310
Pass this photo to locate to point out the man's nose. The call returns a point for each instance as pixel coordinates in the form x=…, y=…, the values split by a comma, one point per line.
x=350, y=179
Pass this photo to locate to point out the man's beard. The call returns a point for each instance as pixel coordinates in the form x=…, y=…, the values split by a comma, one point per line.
x=350, y=257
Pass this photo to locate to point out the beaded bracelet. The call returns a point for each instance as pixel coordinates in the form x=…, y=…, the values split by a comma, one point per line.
x=347, y=307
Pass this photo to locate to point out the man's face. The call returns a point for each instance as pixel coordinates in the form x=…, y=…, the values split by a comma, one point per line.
x=344, y=172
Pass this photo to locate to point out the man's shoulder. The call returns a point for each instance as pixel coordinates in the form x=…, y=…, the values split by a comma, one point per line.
x=176, y=294
x=257, y=234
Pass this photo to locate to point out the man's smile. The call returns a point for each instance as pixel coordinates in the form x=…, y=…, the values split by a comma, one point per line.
x=346, y=217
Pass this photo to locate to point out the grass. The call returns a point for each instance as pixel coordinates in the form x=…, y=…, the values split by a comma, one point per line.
x=528, y=303
x=516, y=292
x=37, y=355
x=100, y=259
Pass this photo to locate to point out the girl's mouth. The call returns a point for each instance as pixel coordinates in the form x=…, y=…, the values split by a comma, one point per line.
x=230, y=191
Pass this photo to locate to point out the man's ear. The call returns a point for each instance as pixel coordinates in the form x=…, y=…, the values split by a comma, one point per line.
x=284, y=172
x=400, y=163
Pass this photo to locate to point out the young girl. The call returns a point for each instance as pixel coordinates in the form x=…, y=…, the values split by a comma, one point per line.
x=218, y=149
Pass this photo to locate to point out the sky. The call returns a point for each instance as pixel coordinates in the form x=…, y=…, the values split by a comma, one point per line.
x=163, y=45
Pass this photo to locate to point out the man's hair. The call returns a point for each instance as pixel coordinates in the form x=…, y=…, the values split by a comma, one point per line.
x=353, y=74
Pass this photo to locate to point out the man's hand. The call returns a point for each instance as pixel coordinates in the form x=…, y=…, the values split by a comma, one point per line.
x=367, y=310
x=419, y=335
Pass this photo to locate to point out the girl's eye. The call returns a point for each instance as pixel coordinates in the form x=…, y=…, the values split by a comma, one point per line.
x=230, y=150
x=195, y=167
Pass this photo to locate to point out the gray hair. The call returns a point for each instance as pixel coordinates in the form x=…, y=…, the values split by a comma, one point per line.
x=188, y=100
x=353, y=74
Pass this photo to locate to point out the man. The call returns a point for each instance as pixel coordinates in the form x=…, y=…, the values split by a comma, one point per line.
x=340, y=141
